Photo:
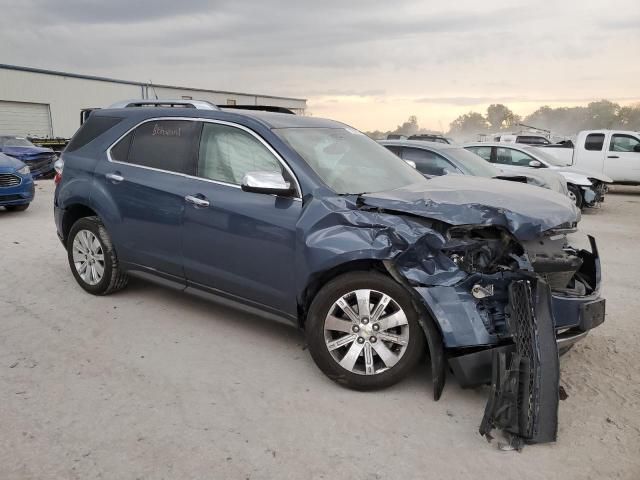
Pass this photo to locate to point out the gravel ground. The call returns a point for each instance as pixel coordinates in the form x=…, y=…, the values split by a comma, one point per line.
x=151, y=384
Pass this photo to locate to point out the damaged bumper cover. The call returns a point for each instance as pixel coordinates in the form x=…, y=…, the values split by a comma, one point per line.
x=572, y=316
x=459, y=249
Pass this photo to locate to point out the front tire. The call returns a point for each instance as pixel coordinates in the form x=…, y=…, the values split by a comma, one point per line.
x=576, y=195
x=92, y=258
x=363, y=332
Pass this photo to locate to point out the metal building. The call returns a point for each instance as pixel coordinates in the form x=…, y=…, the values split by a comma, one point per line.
x=46, y=103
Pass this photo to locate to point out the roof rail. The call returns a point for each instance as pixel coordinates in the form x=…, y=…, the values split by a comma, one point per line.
x=197, y=104
x=262, y=108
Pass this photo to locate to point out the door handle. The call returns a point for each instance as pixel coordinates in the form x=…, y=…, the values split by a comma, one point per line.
x=197, y=201
x=613, y=156
x=114, y=177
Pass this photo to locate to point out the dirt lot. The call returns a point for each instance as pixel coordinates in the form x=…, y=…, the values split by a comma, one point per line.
x=150, y=384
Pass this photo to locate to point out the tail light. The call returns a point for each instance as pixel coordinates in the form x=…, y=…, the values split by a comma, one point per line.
x=58, y=167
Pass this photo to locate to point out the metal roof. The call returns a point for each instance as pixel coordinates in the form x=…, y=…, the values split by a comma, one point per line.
x=130, y=82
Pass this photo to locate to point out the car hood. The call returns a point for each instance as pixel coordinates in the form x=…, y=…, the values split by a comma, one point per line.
x=524, y=210
x=9, y=164
x=542, y=178
x=27, y=153
x=586, y=173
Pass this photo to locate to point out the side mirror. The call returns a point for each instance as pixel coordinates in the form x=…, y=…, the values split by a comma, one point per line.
x=535, y=164
x=411, y=163
x=266, y=182
x=636, y=147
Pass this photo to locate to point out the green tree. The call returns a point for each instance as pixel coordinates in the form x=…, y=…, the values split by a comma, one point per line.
x=468, y=125
x=500, y=116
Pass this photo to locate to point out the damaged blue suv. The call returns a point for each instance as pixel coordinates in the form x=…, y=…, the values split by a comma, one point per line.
x=309, y=220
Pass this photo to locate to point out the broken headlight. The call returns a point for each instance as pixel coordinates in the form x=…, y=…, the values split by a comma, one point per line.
x=482, y=249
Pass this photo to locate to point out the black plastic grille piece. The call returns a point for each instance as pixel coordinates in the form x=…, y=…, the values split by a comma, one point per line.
x=9, y=180
x=522, y=318
x=525, y=383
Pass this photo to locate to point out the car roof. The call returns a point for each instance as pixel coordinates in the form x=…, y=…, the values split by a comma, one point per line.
x=420, y=144
x=268, y=119
x=496, y=144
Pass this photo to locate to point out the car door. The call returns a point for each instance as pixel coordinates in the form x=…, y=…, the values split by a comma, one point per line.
x=145, y=180
x=623, y=161
x=239, y=243
x=427, y=162
x=508, y=158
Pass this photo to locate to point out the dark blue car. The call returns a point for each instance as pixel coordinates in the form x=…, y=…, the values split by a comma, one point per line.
x=16, y=185
x=309, y=220
x=39, y=159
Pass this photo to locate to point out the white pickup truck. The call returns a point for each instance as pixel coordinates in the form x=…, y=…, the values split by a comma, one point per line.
x=615, y=153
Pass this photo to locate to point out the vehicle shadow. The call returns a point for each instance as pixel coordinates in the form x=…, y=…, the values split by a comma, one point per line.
x=196, y=307
x=624, y=190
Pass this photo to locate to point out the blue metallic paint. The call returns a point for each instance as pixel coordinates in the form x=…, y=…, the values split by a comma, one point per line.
x=267, y=250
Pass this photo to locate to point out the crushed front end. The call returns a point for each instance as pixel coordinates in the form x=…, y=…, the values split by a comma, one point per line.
x=503, y=323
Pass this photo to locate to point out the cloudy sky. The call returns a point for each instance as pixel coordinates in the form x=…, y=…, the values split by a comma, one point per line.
x=369, y=63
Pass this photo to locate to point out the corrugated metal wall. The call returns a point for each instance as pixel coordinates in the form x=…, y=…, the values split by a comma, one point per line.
x=65, y=96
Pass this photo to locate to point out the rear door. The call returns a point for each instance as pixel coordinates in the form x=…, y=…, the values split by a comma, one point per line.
x=623, y=161
x=145, y=179
x=238, y=243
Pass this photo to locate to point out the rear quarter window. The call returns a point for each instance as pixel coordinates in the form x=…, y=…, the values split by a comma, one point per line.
x=594, y=142
x=90, y=130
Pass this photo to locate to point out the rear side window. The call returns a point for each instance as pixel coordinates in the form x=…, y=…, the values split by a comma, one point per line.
x=594, y=142
x=91, y=129
x=163, y=144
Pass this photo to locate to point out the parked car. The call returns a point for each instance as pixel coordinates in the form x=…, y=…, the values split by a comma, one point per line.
x=433, y=159
x=524, y=138
x=309, y=220
x=39, y=159
x=430, y=137
x=614, y=153
x=586, y=188
x=16, y=185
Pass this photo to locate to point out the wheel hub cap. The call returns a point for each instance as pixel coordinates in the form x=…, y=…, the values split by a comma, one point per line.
x=366, y=332
x=88, y=257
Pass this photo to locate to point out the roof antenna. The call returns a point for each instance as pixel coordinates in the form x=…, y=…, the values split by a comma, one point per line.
x=154, y=89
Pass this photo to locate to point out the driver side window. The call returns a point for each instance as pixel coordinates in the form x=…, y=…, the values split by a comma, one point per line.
x=228, y=153
x=623, y=143
x=509, y=156
x=428, y=163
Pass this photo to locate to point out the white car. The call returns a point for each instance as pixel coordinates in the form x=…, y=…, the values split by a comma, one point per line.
x=586, y=188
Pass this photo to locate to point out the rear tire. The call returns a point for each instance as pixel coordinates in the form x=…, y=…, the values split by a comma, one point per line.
x=371, y=353
x=17, y=208
x=93, y=259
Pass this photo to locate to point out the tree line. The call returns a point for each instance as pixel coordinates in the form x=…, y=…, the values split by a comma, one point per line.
x=562, y=121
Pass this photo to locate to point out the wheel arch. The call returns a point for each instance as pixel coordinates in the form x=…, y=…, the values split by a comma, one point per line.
x=322, y=278
x=72, y=214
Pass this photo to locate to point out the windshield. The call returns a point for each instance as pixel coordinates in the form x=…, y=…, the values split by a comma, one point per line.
x=15, y=142
x=348, y=161
x=471, y=163
x=544, y=156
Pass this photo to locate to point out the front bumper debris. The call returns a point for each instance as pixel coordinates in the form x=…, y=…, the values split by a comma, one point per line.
x=525, y=383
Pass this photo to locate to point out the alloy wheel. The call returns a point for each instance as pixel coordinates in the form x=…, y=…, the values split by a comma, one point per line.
x=366, y=332
x=88, y=257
